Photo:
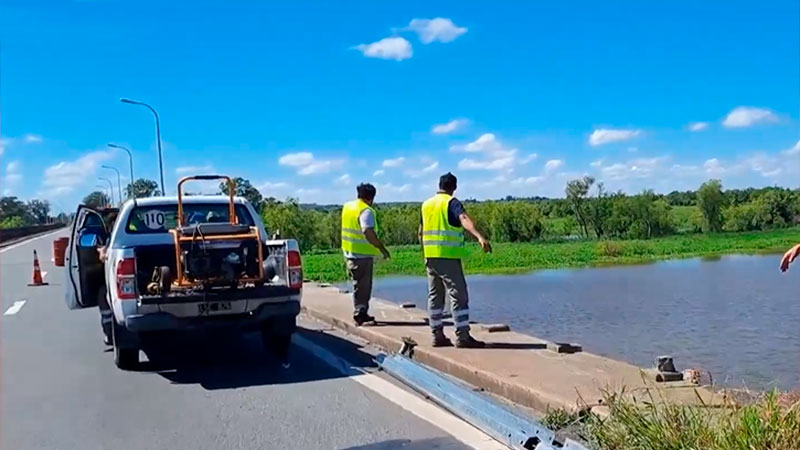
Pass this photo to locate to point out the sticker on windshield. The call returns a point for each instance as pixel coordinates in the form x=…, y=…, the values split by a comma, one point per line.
x=154, y=219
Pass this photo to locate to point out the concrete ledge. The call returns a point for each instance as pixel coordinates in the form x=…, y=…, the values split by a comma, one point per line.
x=521, y=368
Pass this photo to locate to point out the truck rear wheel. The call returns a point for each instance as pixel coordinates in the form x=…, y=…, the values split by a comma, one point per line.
x=276, y=336
x=125, y=358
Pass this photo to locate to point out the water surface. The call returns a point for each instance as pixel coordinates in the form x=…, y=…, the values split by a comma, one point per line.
x=736, y=316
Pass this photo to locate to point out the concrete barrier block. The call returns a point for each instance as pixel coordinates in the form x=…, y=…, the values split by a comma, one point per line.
x=494, y=327
x=564, y=347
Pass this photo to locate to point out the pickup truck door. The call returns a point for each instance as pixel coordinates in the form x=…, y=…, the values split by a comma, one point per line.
x=84, y=268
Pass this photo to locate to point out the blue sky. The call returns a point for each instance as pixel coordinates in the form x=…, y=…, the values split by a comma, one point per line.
x=306, y=99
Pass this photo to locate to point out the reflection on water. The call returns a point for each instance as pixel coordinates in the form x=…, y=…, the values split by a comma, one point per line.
x=736, y=316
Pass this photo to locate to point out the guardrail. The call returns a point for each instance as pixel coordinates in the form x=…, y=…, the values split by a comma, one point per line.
x=9, y=234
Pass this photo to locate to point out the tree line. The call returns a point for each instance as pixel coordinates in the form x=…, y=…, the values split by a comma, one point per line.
x=587, y=211
x=15, y=213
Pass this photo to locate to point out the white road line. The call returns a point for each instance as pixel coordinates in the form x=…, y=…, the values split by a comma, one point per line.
x=28, y=241
x=459, y=429
x=14, y=308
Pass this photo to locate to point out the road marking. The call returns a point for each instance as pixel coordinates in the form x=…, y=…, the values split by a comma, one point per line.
x=459, y=429
x=28, y=241
x=14, y=308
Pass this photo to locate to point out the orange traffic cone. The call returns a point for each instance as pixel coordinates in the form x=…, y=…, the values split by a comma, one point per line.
x=37, y=272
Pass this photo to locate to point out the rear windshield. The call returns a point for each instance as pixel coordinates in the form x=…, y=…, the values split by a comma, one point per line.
x=160, y=218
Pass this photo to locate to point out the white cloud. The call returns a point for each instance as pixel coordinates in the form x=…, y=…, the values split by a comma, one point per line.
x=32, y=138
x=12, y=176
x=396, y=48
x=497, y=156
x=698, y=126
x=745, y=116
x=603, y=136
x=317, y=167
x=378, y=173
x=714, y=167
x=344, y=180
x=438, y=29
x=195, y=170
x=296, y=159
x=391, y=188
x=553, y=165
x=794, y=150
x=307, y=164
x=267, y=186
x=396, y=162
x=64, y=177
x=528, y=158
x=637, y=168
x=417, y=173
x=449, y=127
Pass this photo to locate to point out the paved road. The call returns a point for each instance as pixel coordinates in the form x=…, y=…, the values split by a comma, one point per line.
x=59, y=388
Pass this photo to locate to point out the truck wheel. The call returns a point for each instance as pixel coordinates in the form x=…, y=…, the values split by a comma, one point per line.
x=124, y=358
x=277, y=344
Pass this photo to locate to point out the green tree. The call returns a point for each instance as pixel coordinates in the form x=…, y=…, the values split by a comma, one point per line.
x=13, y=207
x=576, y=192
x=12, y=222
x=142, y=188
x=711, y=201
x=246, y=190
x=598, y=210
x=96, y=199
x=39, y=210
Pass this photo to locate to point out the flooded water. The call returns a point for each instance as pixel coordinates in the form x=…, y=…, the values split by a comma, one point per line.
x=736, y=316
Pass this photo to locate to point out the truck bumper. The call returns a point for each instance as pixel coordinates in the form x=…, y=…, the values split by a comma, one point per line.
x=162, y=321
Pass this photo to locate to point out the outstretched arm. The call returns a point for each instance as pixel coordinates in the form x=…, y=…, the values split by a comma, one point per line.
x=789, y=257
x=468, y=225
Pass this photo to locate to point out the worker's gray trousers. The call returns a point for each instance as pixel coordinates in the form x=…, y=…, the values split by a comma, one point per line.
x=446, y=276
x=360, y=270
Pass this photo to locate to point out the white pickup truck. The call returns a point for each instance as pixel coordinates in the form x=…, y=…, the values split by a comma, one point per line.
x=141, y=243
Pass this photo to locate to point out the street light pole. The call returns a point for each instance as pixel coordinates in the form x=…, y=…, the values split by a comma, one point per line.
x=130, y=160
x=119, y=183
x=111, y=186
x=158, y=138
x=104, y=190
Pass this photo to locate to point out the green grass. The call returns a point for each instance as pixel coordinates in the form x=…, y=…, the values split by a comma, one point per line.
x=770, y=422
x=521, y=257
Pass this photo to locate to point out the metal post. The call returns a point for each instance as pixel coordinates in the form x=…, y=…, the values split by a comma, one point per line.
x=110, y=185
x=119, y=183
x=158, y=138
x=130, y=161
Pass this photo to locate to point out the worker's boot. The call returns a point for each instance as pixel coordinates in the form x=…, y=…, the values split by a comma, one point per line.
x=467, y=341
x=362, y=318
x=440, y=340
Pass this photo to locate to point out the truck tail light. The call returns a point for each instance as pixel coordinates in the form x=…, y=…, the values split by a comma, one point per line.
x=295, y=269
x=126, y=279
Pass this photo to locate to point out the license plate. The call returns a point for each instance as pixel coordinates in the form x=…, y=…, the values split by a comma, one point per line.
x=214, y=307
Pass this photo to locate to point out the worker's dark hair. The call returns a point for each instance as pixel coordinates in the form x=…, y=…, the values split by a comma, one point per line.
x=448, y=182
x=366, y=191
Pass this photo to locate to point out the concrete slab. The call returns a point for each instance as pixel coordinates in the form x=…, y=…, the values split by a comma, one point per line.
x=515, y=366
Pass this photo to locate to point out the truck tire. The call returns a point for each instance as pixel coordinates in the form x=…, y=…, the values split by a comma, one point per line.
x=276, y=336
x=125, y=358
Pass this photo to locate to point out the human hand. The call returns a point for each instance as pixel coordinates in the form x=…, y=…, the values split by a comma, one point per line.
x=385, y=254
x=487, y=248
x=789, y=257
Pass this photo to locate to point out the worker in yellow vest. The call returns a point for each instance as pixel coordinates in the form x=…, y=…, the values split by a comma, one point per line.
x=360, y=244
x=442, y=234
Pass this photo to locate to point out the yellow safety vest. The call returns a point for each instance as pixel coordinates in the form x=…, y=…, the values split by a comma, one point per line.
x=353, y=238
x=439, y=238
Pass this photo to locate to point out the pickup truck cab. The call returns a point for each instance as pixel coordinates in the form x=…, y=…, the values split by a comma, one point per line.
x=140, y=244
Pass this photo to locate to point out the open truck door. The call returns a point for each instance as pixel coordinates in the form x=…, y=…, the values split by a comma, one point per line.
x=85, y=271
